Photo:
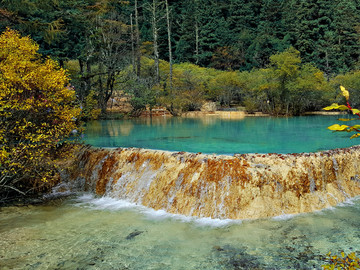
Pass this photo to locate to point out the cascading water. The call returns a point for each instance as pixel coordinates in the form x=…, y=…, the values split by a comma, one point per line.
x=225, y=187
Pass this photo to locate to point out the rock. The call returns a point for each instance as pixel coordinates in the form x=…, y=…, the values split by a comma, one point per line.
x=120, y=104
x=246, y=186
x=133, y=234
x=208, y=107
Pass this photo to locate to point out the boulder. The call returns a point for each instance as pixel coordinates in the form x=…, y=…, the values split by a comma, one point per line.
x=208, y=107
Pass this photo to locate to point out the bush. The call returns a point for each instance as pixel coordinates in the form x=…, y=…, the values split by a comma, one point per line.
x=37, y=115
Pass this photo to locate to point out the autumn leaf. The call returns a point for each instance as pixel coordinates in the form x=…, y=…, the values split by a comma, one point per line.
x=337, y=127
x=37, y=112
x=355, y=111
x=355, y=136
x=344, y=92
x=336, y=106
x=346, y=119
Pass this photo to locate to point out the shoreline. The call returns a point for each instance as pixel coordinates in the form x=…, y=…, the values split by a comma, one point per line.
x=220, y=114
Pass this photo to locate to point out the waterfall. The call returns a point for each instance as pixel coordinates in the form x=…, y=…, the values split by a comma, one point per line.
x=236, y=187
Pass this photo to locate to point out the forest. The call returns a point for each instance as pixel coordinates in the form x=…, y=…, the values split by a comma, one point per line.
x=282, y=57
x=62, y=61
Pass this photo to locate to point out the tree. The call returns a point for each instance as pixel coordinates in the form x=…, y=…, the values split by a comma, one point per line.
x=283, y=70
x=243, y=21
x=346, y=21
x=57, y=26
x=324, y=32
x=225, y=87
x=186, y=39
x=290, y=87
x=37, y=115
x=156, y=10
x=270, y=33
x=309, y=90
x=108, y=51
x=114, y=55
x=212, y=29
x=227, y=58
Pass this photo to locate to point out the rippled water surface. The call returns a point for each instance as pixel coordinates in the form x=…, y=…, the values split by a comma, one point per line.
x=221, y=136
x=103, y=233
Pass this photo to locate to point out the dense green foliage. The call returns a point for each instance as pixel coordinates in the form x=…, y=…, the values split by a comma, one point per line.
x=325, y=32
x=274, y=56
x=286, y=86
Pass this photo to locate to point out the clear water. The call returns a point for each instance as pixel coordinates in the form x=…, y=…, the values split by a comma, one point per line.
x=102, y=233
x=215, y=135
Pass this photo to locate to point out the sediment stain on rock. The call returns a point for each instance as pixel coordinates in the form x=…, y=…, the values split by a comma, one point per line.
x=242, y=186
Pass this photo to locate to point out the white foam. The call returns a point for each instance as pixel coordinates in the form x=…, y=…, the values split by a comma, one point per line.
x=349, y=202
x=203, y=222
x=102, y=203
x=285, y=216
x=109, y=203
x=352, y=202
x=217, y=222
x=113, y=204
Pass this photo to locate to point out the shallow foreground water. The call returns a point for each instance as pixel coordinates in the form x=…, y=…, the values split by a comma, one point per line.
x=86, y=232
x=221, y=136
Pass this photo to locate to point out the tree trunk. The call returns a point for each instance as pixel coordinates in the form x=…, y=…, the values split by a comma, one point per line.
x=137, y=37
x=169, y=42
x=102, y=98
x=155, y=39
x=327, y=72
x=83, y=83
x=85, y=79
x=196, y=42
x=196, y=33
x=132, y=44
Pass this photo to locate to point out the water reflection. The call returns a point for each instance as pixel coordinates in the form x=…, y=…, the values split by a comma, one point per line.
x=213, y=134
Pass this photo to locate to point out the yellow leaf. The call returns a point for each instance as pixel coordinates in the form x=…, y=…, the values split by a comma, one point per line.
x=352, y=255
x=345, y=119
x=356, y=127
x=344, y=92
x=355, y=136
x=331, y=107
x=337, y=127
x=336, y=106
x=342, y=108
x=355, y=111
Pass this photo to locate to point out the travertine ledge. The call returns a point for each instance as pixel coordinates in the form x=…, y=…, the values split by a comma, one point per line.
x=235, y=187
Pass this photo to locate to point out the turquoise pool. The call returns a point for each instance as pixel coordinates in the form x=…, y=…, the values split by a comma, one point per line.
x=220, y=136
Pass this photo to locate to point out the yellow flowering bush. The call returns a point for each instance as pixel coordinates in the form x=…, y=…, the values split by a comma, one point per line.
x=37, y=115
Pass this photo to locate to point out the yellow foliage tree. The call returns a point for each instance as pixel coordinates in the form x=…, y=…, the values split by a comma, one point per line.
x=37, y=115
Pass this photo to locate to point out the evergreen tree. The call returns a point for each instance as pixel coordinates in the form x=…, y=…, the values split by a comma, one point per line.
x=270, y=34
x=243, y=21
x=213, y=30
x=346, y=20
x=185, y=36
